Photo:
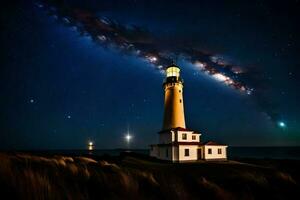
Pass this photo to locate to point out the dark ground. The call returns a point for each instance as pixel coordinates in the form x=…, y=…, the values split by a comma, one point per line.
x=134, y=176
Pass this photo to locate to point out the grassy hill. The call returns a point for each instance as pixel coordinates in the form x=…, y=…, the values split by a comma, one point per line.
x=133, y=176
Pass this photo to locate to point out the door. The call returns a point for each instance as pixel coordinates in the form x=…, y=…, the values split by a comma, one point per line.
x=199, y=153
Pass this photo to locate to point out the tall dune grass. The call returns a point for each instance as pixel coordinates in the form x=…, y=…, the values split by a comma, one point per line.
x=26, y=176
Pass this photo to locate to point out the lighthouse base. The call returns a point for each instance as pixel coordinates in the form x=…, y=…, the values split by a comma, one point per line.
x=182, y=145
x=184, y=152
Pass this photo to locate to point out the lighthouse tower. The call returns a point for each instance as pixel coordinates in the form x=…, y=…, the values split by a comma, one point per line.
x=176, y=142
x=174, y=109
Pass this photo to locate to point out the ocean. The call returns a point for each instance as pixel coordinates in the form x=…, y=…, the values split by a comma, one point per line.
x=264, y=152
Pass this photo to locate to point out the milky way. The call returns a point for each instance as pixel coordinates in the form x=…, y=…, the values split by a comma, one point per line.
x=136, y=40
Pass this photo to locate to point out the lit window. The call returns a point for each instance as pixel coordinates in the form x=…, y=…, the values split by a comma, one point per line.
x=186, y=152
x=194, y=137
x=209, y=151
x=219, y=151
x=184, y=136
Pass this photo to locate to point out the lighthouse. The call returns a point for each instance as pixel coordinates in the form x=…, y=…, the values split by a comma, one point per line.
x=173, y=106
x=176, y=142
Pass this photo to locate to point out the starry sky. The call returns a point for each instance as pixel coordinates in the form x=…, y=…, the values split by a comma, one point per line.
x=73, y=72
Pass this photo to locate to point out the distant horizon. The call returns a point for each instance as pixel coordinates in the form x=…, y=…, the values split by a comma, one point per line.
x=86, y=149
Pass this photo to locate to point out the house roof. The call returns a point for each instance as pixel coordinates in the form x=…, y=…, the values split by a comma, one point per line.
x=178, y=143
x=178, y=129
x=211, y=143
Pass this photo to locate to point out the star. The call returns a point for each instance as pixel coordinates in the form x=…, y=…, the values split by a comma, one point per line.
x=281, y=124
x=31, y=101
x=69, y=116
x=128, y=137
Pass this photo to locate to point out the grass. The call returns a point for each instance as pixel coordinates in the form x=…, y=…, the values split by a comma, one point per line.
x=131, y=176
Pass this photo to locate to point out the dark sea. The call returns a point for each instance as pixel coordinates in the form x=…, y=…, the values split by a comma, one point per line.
x=233, y=152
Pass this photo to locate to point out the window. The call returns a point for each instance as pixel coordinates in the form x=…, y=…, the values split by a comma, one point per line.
x=186, y=152
x=209, y=151
x=194, y=137
x=173, y=71
x=219, y=151
x=184, y=136
x=180, y=100
x=179, y=91
x=167, y=153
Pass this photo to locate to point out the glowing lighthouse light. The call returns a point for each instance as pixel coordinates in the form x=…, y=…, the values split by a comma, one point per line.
x=173, y=71
x=91, y=146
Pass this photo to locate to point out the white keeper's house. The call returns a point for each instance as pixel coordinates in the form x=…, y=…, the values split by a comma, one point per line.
x=176, y=142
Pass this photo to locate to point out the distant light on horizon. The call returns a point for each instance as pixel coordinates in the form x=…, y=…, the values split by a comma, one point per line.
x=91, y=145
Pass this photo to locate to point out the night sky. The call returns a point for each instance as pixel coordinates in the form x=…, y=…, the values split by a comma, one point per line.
x=72, y=72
